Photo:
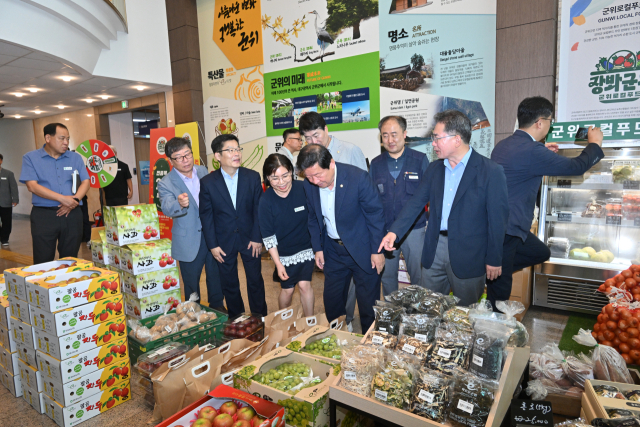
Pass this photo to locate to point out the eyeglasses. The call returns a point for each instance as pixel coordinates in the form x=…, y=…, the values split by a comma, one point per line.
x=182, y=158
x=232, y=150
x=283, y=178
x=551, y=121
x=295, y=139
x=441, y=137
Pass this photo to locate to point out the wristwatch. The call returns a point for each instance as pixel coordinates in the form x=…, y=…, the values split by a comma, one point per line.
x=76, y=199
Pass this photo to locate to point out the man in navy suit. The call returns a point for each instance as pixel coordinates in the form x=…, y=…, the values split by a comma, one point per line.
x=229, y=200
x=179, y=193
x=467, y=216
x=346, y=221
x=525, y=162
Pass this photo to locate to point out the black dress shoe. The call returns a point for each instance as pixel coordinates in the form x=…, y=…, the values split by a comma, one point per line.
x=276, y=278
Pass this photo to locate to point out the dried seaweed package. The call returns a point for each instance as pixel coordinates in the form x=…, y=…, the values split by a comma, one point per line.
x=359, y=363
x=472, y=400
x=520, y=336
x=619, y=413
x=382, y=339
x=458, y=316
x=632, y=395
x=416, y=293
x=432, y=305
x=451, y=349
x=401, y=297
x=449, y=301
x=388, y=318
x=393, y=383
x=431, y=395
x=420, y=326
x=488, y=349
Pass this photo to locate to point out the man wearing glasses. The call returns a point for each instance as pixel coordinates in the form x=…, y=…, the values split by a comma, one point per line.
x=467, y=216
x=56, y=218
x=179, y=193
x=525, y=161
x=292, y=143
x=229, y=201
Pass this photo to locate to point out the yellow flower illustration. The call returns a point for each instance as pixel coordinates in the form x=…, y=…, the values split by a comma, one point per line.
x=278, y=22
x=266, y=21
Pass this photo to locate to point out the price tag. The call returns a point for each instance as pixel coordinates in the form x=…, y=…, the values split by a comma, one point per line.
x=382, y=395
x=421, y=337
x=382, y=329
x=465, y=309
x=631, y=185
x=444, y=352
x=377, y=340
x=426, y=396
x=408, y=348
x=614, y=220
x=527, y=412
x=477, y=360
x=564, y=217
x=465, y=406
x=564, y=183
x=349, y=375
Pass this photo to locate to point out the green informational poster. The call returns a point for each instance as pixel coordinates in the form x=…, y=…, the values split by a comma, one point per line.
x=345, y=92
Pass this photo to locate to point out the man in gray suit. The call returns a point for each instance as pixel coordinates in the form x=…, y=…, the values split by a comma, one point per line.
x=8, y=199
x=179, y=194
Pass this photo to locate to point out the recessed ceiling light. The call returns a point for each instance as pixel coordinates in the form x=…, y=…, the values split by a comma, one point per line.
x=89, y=101
x=37, y=111
x=33, y=89
x=18, y=94
x=66, y=78
x=17, y=116
x=104, y=96
x=140, y=87
x=89, y=115
x=67, y=119
x=62, y=107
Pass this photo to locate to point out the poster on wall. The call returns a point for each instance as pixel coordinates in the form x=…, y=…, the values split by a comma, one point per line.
x=598, y=60
x=428, y=65
x=159, y=167
x=189, y=131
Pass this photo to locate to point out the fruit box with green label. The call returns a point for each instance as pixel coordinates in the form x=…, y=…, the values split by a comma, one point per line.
x=149, y=306
x=323, y=343
x=83, y=340
x=15, y=278
x=311, y=403
x=152, y=283
x=141, y=258
x=73, y=289
x=76, y=367
x=10, y=381
x=131, y=224
x=87, y=408
x=88, y=385
x=77, y=318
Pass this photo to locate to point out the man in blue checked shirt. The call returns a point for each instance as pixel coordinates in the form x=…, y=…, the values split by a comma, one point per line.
x=56, y=217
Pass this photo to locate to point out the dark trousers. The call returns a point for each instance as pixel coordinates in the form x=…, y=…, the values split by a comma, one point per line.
x=118, y=201
x=86, y=224
x=191, y=272
x=516, y=255
x=231, y=283
x=339, y=269
x=49, y=230
x=6, y=218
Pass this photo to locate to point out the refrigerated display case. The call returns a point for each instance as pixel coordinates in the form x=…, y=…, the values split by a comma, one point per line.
x=591, y=223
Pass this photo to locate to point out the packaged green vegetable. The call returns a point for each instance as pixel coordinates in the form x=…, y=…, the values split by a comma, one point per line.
x=393, y=383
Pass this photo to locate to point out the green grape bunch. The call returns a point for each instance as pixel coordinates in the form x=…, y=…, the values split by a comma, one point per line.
x=282, y=371
x=296, y=413
x=325, y=347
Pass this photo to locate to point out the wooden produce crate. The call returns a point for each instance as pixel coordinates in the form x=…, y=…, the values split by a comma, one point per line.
x=600, y=404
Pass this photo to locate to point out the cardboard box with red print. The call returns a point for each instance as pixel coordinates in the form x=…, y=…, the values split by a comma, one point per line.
x=145, y=257
x=15, y=278
x=152, y=283
x=224, y=406
x=73, y=289
x=131, y=224
x=63, y=371
x=83, y=340
x=77, y=318
x=87, y=408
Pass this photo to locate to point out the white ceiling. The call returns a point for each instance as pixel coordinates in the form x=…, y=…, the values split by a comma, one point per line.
x=21, y=69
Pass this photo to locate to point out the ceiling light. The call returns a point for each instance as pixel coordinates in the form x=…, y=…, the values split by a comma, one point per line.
x=66, y=78
x=62, y=107
x=33, y=89
x=17, y=116
x=104, y=96
x=89, y=101
x=67, y=119
x=18, y=94
x=140, y=87
x=37, y=111
x=89, y=115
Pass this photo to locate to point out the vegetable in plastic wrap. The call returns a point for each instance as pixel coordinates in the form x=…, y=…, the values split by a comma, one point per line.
x=388, y=318
x=393, y=383
x=359, y=363
x=459, y=316
x=432, y=394
x=616, y=422
x=536, y=390
x=520, y=337
x=488, y=349
x=472, y=400
x=576, y=369
x=451, y=349
x=381, y=339
x=608, y=363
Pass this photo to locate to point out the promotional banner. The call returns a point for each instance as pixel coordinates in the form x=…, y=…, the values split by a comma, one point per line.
x=226, y=116
x=189, y=131
x=237, y=31
x=598, y=60
x=612, y=130
x=159, y=168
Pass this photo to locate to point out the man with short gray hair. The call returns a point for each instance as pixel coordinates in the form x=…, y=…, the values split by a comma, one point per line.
x=467, y=217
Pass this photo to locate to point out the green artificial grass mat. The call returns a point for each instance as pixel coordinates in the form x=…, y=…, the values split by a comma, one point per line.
x=574, y=324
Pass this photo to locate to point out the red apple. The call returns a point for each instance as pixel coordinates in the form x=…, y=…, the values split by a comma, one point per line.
x=246, y=413
x=222, y=420
x=201, y=422
x=242, y=423
x=208, y=413
x=228, y=408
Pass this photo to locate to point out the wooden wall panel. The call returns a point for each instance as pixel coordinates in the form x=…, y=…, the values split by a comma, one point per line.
x=510, y=94
x=512, y=13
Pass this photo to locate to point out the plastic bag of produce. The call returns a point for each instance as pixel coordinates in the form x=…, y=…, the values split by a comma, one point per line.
x=578, y=422
x=488, y=349
x=472, y=400
x=381, y=339
x=388, y=319
x=576, y=369
x=536, y=390
x=393, y=381
x=358, y=367
x=451, y=349
x=285, y=370
x=520, y=337
x=459, y=316
x=327, y=347
x=432, y=394
x=406, y=296
x=616, y=422
x=139, y=332
x=608, y=363
x=433, y=304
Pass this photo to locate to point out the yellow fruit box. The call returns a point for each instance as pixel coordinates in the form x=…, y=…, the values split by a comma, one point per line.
x=80, y=341
x=69, y=290
x=93, y=383
x=88, y=408
x=77, y=318
x=319, y=339
x=15, y=278
x=63, y=371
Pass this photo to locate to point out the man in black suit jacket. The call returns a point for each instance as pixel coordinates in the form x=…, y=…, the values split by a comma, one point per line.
x=346, y=222
x=467, y=216
x=525, y=162
x=229, y=200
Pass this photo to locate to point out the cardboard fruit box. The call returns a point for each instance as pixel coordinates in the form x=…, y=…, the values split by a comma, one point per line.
x=87, y=408
x=33, y=398
x=315, y=399
x=6, y=339
x=5, y=313
x=131, y=224
x=63, y=371
x=104, y=253
x=77, y=318
x=3, y=287
x=19, y=309
x=15, y=278
x=73, y=289
x=150, y=306
x=27, y=355
x=22, y=333
x=30, y=377
x=10, y=381
x=88, y=385
x=152, y=283
x=321, y=336
x=138, y=258
x=599, y=404
x=83, y=340
x=9, y=361
x=272, y=415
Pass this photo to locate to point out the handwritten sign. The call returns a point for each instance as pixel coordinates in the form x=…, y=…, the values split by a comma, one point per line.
x=531, y=413
x=237, y=31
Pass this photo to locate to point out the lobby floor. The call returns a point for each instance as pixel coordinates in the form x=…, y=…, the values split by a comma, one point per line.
x=544, y=326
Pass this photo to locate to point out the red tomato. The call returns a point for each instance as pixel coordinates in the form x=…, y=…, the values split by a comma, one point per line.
x=627, y=358
x=623, y=337
x=624, y=348
x=634, y=354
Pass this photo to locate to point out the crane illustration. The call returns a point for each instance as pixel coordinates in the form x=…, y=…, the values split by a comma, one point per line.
x=324, y=38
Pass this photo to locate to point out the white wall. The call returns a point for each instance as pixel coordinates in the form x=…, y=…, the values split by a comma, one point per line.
x=121, y=130
x=17, y=139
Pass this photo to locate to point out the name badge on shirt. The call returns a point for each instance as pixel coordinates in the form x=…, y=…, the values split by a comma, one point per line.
x=298, y=209
x=68, y=168
x=411, y=175
x=4, y=177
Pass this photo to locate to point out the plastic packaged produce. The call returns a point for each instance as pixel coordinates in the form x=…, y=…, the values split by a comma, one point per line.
x=328, y=347
x=548, y=367
x=149, y=362
x=139, y=332
x=451, y=349
x=458, y=316
x=609, y=391
x=382, y=339
x=433, y=304
x=520, y=336
x=536, y=390
x=282, y=371
x=359, y=364
x=472, y=400
x=578, y=422
x=619, y=413
x=616, y=422
x=488, y=349
x=406, y=296
x=431, y=395
x=576, y=369
x=633, y=395
x=420, y=326
x=393, y=382
x=608, y=363
x=388, y=318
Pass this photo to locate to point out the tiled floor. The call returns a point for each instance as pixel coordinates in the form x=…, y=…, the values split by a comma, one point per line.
x=544, y=326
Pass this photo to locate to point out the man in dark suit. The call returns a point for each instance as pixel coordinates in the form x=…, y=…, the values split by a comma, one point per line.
x=525, y=162
x=467, y=216
x=346, y=221
x=9, y=199
x=229, y=200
